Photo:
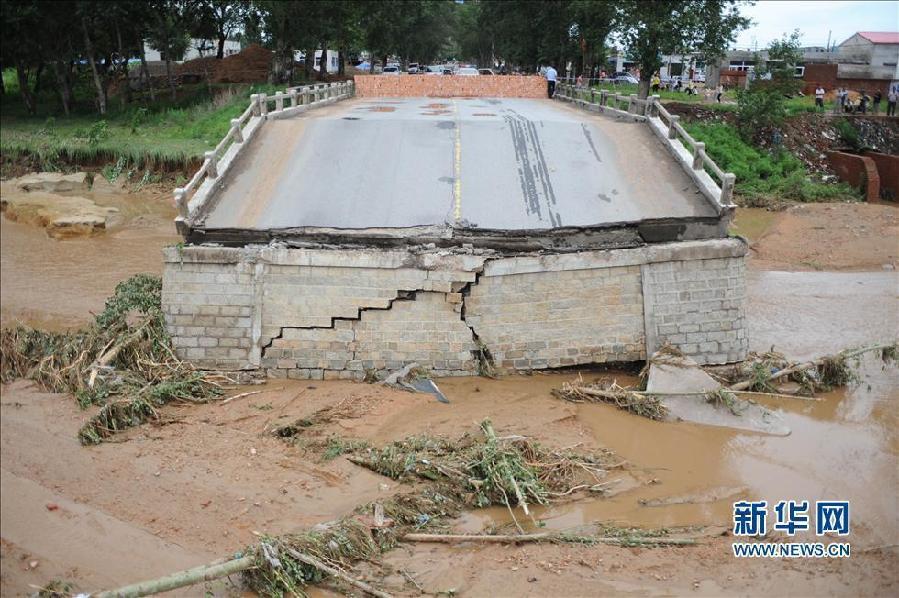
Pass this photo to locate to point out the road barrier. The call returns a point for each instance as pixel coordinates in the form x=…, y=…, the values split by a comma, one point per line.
x=191, y=199
x=716, y=185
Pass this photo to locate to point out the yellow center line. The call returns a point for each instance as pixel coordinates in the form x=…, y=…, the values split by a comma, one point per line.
x=457, y=167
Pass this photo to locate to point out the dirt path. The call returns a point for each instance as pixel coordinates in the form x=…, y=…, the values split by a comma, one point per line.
x=837, y=236
x=208, y=479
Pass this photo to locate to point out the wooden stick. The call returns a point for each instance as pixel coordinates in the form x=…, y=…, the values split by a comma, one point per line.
x=310, y=560
x=252, y=392
x=514, y=539
x=848, y=354
x=181, y=579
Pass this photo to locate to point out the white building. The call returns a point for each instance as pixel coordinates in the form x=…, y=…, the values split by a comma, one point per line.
x=197, y=49
x=869, y=55
x=332, y=61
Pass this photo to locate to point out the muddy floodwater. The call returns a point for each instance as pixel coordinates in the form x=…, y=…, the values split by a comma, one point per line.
x=209, y=479
x=844, y=446
x=57, y=284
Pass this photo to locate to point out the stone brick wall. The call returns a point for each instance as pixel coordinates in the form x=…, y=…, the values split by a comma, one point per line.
x=335, y=313
x=446, y=86
x=698, y=307
x=858, y=171
x=551, y=319
x=888, y=171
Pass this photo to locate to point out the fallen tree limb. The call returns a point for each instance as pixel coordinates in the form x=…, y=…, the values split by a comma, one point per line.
x=181, y=579
x=542, y=537
x=314, y=562
x=817, y=363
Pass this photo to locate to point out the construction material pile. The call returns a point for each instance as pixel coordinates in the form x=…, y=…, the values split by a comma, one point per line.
x=123, y=362
x=250, y=65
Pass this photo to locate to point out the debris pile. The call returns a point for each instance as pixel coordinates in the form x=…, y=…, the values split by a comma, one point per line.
x=250, y=65
x=476, y=470
x=123, y=362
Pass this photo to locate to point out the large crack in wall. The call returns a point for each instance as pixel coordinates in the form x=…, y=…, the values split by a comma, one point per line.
x=311, y=313
x=344, y=347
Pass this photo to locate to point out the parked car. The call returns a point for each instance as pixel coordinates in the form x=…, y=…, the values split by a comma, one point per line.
x=468, y=71
x=434, y=69
x=447, y=70
x=413, y=68
x=391, y=69
x=625, y=79
x=486, y=72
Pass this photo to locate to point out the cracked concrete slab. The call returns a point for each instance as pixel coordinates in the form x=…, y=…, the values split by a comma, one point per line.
x=530, y=164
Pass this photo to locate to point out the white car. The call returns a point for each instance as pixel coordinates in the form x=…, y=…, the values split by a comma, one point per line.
x=468, y=72
x=391, y=70
x=434, y=69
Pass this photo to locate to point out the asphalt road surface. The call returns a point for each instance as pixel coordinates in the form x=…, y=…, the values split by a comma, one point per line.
x=488, y=163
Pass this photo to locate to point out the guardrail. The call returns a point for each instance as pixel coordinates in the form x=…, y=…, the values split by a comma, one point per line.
x=715, y=184
x=191, y=198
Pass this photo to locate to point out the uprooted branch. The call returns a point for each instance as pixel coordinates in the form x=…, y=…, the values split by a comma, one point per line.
x=476, y=470
x=123, y=361
x=831, y=371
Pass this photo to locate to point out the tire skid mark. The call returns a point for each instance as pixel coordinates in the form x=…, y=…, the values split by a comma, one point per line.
x=533, y=172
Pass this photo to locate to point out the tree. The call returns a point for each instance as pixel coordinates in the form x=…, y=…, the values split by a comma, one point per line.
x=167, y=33
x=593, y=21
x=762, y=106
x=218, y=20
x=649, y=29
x=20, y=46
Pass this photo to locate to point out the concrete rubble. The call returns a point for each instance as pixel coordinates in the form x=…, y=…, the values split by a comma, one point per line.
x=674, y=374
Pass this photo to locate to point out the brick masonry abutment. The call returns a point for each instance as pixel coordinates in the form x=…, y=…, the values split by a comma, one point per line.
x=338, y=313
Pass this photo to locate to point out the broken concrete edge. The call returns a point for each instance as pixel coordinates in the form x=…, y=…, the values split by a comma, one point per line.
x=671, y=307
x=200, y=203
x=432, y=259
x=613, y=235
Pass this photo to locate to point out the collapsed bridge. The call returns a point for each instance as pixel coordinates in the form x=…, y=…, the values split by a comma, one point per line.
x=334, y=232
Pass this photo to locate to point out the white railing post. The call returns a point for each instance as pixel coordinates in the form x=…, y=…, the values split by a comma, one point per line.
x=263, y=104
x=602, y=97
x=236, y=133
x=181, y=202
x=630, y=103
x=698, y=155
x=254, y=100
x=653, y=109
x=293, y=97
x=672, y=127
x=279, y=102
x=212, y=167
x=727, y=188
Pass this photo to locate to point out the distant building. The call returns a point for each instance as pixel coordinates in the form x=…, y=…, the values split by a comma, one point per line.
x=332, y=60
x=867, y=61
x=197, y=49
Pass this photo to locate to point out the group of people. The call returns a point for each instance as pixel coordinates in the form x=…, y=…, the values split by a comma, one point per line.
x=859, y=105
x=674, y=84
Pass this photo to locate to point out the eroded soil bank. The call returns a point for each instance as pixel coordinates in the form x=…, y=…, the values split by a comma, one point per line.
x=207, y=480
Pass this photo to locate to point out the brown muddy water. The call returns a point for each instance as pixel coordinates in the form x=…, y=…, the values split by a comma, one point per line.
x=844, y=446
x=59, y=283
x=681, y=474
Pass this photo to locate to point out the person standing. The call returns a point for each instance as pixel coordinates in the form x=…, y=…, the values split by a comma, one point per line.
x=877, y=97
x=819, y=97
x=719, y=92
x=863, y=102
x=891, y=101
x=551, y=77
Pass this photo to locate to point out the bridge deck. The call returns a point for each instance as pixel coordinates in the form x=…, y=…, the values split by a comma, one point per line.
x=500, y=164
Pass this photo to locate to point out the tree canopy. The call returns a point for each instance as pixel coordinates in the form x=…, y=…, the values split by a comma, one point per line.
x=97, y=39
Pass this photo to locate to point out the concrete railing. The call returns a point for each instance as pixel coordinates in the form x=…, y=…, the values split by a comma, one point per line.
x=716, y=185
x=192, y=197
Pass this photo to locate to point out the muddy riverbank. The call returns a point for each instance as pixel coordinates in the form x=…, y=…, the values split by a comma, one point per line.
x=209, y=479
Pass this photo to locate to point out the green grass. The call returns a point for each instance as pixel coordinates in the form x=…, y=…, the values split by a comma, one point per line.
x=667, y=95
x=162, y=134
x=764, y=177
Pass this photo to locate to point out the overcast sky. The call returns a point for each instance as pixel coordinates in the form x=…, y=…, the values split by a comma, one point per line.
x=814, y=18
